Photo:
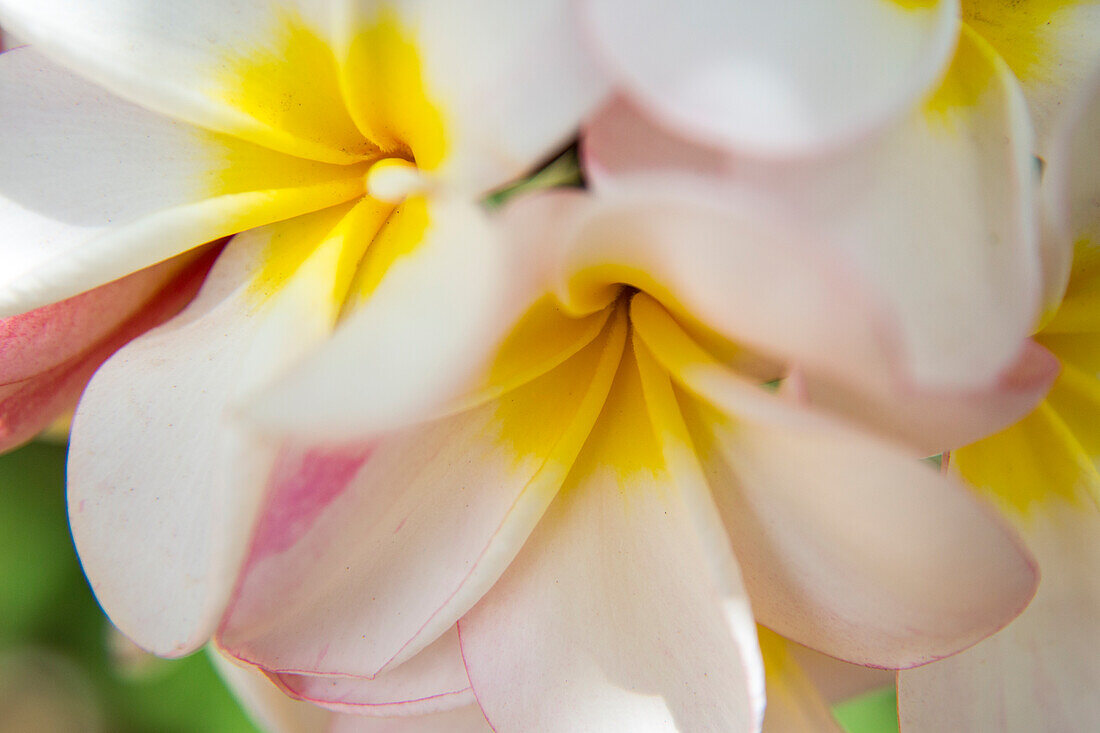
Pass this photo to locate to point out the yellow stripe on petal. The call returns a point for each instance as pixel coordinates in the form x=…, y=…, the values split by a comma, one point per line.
x=398, y=237
x=291, y=83
x=1036, y=462
x=1022, y=31
x=970, y=75
x=330, y=241
x=384, y=85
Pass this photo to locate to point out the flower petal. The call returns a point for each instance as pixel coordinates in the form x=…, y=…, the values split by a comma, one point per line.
x=1037, y=674
x=432, y=681
x=934, y=421
x=265, y=703
x=172, y=475
x=261, y=71
x=463, y=720
x=620, y=612
x=498, y=86
x=98, y=188
x=889, y=564
x=45, y=337
x=383, y=564
x=426, y=311
x=1071, y=187
x=775, y=77
x=28, y=406
x=935, y=216
x=1051, y=47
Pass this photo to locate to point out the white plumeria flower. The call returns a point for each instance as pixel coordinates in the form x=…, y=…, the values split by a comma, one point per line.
x=349, y=142
x=900, y=134
x=575, y=543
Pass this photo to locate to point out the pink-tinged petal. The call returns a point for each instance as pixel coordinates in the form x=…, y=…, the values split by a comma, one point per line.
x=265, y=703
x=934, y=421
x=795, y=704
x=30, y=405
x=777, y=77
x=935, y=216
x=621, y=611
x=1040, y=673
x=155, y=461
x=463, y=720
x=848, y=543
x=432, y=681
x=749, y=280
x=421, y=530
x=1071, y=188
x=96, y=188
x=433, y=314
x=1051, y=47
x=45, y=337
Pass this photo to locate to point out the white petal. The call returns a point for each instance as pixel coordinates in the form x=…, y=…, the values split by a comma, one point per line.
x=431, y=321
x=96, y=188
x=779, y=76
x=621, y=612
x=263, y=71
x=463, y=720
x=163, y=488
x=355, y=575
x=432, y=681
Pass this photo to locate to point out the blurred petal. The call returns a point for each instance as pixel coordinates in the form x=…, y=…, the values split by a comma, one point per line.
x=794, y=702
x=172, y=475
x=463, y=720
x=837, y=680
x=745, y=279
x=414, y=534
x=936, y=216
x=265, y=703
x=97, y=188
x=29, y=406
x=848, y=543
x=1071, y=187
x=432, y=681
x=1051, y=46
x=426, y=310
x=774, y=77
x=1039, y=673
x=620, y=612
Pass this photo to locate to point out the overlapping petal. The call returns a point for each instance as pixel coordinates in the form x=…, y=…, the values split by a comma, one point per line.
x=417, y=531
x=173, y=475
x=98, y=188
x=889, y=580
x=621, y=610
x=776, y=77
x=935, y=215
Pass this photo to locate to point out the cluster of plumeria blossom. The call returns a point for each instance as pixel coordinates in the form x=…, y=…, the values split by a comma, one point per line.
x=639, y=455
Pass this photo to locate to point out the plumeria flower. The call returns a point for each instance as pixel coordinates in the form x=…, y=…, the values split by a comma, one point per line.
x=349, y=143
x=899, y=134
x=575, y=541
x=1042, y=671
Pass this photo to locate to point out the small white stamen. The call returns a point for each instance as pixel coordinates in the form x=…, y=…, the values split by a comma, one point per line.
x=393, y=179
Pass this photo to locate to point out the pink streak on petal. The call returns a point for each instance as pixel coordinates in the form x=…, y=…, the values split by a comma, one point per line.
x=304, y=484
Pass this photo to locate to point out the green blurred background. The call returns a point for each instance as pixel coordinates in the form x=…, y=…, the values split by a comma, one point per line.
x=63, y=667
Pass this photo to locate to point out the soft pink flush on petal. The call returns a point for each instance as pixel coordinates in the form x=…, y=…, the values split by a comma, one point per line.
x=303, y=483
